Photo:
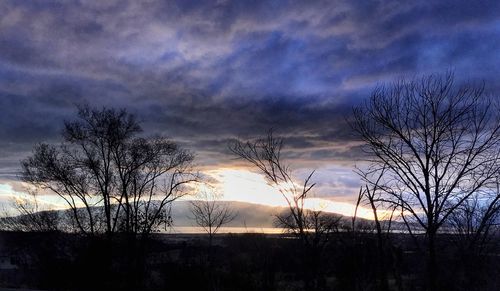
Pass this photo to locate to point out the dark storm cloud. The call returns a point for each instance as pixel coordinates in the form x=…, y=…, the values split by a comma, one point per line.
x=205, y=72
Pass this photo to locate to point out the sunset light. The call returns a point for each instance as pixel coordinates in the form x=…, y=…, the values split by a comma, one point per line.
x=250, y=145
x=246, y=186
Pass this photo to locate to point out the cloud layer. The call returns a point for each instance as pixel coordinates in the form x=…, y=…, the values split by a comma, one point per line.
x=204, y=72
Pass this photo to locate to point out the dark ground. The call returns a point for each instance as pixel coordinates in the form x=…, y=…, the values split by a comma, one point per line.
x=58, y=261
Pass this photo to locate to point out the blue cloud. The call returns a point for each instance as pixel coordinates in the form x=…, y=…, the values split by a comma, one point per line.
x=206, y=71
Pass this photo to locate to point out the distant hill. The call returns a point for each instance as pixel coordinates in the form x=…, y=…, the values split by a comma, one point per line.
x=248, y=214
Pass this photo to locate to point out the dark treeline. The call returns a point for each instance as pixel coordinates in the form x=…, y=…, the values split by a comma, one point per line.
x=430, y=175
x=350, y=261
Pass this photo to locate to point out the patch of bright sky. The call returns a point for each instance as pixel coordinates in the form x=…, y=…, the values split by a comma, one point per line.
x=8, y=196
x=245, y=186
x=232, y=184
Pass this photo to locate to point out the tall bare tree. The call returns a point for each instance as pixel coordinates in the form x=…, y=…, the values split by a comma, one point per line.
x=312, y=227
x=210, y=213
x=438, y=145
x=371, y=195
x=103, y=164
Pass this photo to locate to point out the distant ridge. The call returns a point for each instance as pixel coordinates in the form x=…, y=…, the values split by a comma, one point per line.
x=249, y=215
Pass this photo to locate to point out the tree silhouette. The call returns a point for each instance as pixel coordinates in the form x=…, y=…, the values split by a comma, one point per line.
x=210, y=214
x=312, y=227
x=437, y=144
x=111, y=179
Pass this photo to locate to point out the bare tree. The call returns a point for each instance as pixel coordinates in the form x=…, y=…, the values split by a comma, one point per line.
x=475, y=223
x=437, y=144
x=104, y=165
x=265, y=154
x=371, y=195
x=312, y=227
x=475, y=234
x=210, y=213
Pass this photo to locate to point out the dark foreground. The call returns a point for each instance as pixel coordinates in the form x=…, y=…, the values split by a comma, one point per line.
x=57, y=261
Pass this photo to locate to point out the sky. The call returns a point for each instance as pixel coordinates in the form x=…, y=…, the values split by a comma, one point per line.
x=205, y=72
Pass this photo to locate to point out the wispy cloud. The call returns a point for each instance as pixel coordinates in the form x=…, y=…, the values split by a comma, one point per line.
x=204, y=72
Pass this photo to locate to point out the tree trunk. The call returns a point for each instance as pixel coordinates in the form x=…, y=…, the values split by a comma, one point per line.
x=382, y=272
x=432, y=284
x=383, y=284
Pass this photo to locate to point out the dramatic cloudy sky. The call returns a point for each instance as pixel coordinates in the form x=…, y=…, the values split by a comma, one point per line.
x=205, y=72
